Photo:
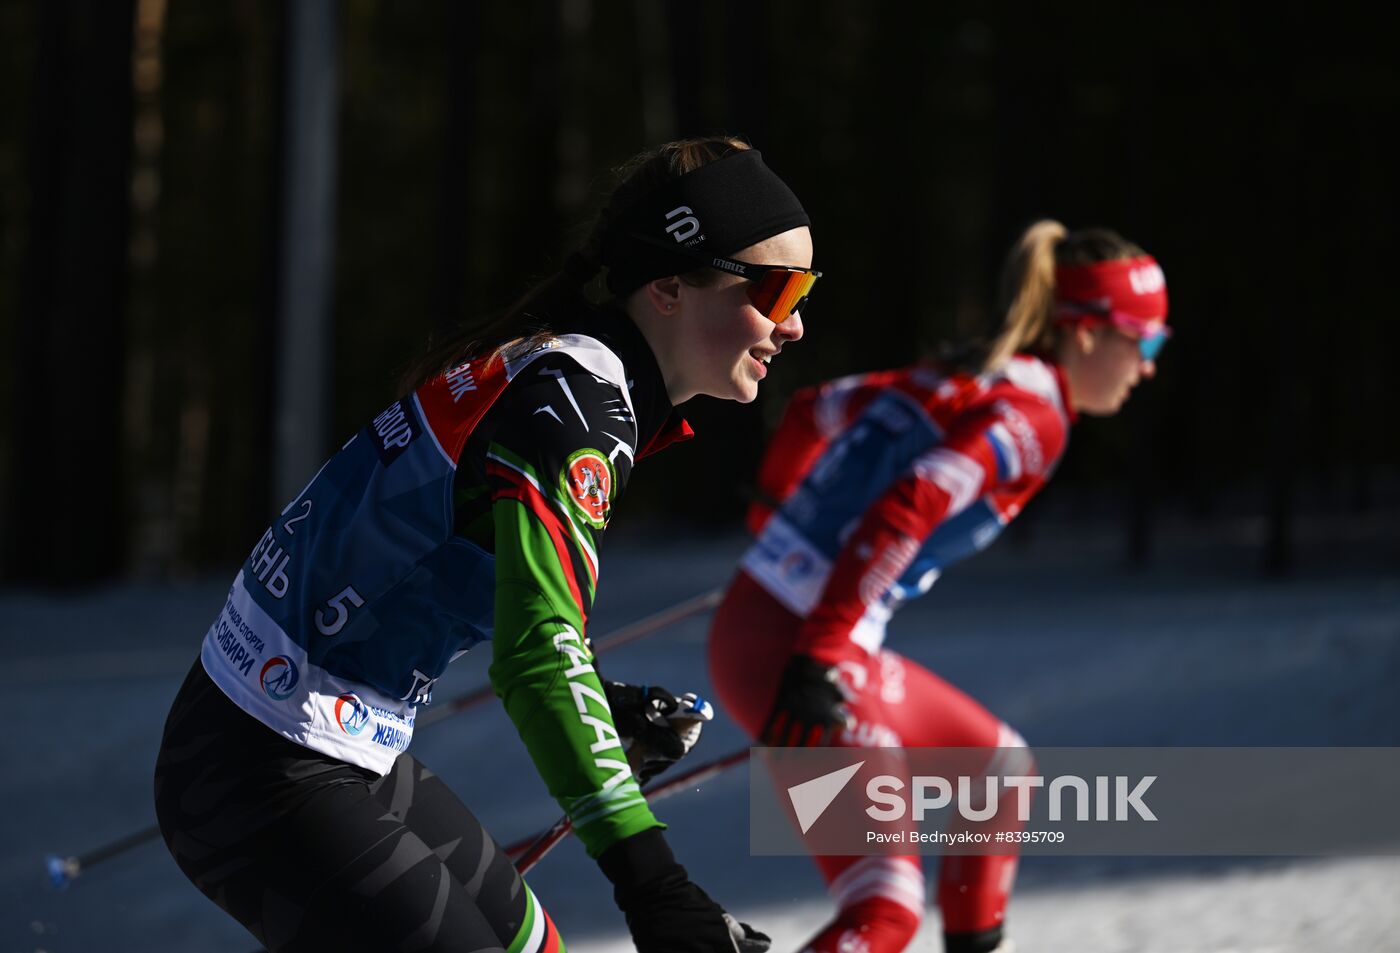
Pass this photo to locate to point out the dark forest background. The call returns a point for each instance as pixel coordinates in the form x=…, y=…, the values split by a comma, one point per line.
x=142, y=240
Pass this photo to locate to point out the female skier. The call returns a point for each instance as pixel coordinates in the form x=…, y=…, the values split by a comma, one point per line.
x=472, y=509
x=872, y=485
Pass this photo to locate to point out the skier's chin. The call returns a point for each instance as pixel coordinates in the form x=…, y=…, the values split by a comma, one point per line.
x=745, y=388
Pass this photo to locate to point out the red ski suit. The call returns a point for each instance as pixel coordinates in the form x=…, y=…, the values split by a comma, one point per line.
x=872, y=484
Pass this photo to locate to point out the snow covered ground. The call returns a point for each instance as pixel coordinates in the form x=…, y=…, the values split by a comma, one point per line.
x=1053, y=635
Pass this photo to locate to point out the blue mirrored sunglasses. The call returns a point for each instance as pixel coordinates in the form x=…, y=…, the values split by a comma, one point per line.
x=1150, y=346
x=1151, y=336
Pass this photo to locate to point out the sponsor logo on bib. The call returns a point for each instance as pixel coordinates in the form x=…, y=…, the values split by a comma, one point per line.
x=351, y=713
x=393, y=431
x=279, y=678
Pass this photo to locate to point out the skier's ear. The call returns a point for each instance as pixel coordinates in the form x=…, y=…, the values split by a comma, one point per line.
x=664, y=294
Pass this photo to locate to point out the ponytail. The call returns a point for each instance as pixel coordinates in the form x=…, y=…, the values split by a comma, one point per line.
x=527, y=321
x=1027, y=294
x=1027, y=291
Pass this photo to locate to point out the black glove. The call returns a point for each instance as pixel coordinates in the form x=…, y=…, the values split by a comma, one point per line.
x=665, y=912
x=809, y=707
x=657, y=728
x=746, y=938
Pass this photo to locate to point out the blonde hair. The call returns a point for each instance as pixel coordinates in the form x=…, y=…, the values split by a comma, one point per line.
x=1027, y=287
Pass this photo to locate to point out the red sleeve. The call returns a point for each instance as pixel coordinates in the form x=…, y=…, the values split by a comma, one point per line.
x=971, y=461
x=812, y=420
x=794, y=448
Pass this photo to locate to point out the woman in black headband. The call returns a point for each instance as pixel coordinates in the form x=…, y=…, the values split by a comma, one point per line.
x=472, y=509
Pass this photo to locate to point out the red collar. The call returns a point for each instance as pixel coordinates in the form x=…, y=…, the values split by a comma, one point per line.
x=674, y=430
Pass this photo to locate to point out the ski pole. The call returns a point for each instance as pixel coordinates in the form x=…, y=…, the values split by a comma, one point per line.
x=530, y=851
x=620, y=637
x=62, y=871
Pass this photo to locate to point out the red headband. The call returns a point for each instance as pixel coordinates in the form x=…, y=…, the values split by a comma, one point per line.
x=1134, y=287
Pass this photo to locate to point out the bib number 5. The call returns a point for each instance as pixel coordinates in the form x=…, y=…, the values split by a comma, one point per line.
x=328, y=624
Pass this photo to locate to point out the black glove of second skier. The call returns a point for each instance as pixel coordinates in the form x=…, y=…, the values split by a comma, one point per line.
x=666, y=913
x=657, y=728
x=809, y=708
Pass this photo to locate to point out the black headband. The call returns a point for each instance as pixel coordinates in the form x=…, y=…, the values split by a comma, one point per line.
x=721, y=207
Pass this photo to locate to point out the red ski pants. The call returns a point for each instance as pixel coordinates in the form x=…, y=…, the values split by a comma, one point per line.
x=896, y=702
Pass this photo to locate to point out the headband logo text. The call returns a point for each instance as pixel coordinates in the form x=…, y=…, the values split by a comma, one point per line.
x=733, y=266
x=684, y=228
x=1147, y=280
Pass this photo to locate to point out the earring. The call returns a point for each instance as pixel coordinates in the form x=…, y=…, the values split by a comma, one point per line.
x=669, y=307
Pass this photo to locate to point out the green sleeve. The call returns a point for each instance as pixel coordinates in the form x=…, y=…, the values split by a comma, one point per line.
x=542, y=666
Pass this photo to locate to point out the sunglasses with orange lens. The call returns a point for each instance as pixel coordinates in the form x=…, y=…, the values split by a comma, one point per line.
x=775, y=291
